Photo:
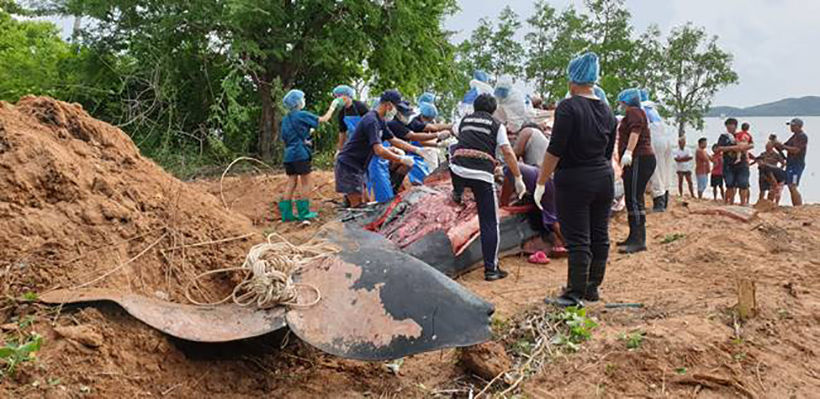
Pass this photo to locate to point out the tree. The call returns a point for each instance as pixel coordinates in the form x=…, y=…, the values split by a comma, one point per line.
x=476, y=52
x=554, y=40
x=508, y=51
x=31, y=53
x=696, y=68
x=610, y=32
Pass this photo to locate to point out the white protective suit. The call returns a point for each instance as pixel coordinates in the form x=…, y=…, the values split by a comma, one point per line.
x=512, y=109
x=663, y=141
x=480, y=87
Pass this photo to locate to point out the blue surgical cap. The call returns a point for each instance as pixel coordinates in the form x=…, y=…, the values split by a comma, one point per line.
x=630, y=97
x=481, y=76
x=427, y=98
x=293, y=99
x=428, y=110
x=344, y=90
x=584, y=69
x=644, y=95
x=601, y=94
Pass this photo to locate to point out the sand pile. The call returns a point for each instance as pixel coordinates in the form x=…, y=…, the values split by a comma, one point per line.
x=78, y=200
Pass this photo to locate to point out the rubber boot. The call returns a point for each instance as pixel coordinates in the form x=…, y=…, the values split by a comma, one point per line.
x=666, y=201
x=597, y=269
x=303, y=206
x=631, y=236
x=577, y=276
x=639, y=245
x=286, y=210
x=658, y=204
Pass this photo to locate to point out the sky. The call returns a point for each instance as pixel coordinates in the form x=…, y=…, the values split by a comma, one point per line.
x=774, y=42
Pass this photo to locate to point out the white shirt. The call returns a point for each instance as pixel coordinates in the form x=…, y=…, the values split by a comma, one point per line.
x=684, y=153
x=467, y=173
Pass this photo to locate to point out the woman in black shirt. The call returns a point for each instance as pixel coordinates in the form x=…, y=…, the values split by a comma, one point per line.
x=580, y=154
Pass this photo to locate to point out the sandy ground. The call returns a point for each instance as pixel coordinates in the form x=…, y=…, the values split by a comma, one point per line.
x=72, y=191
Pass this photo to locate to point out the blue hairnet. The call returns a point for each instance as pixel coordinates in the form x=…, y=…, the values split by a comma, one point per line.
x=481, y=76
x=501, y=93
x=428, y=110
x=427, y=98
x=293, y=99
x=601, y=94
x=630, y=97
x=644, y=95
x=503, y=86
x=344, y=90
x=584, y=69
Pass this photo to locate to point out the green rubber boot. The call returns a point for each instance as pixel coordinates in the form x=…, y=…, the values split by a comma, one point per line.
x=286, y=209
x=303, y=206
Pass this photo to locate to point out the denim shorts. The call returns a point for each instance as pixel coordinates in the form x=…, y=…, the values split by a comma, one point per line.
x=794, y=171
x=736, y=176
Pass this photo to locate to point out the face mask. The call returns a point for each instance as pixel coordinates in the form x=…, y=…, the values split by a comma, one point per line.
x=502, y=92
x=301, y=104
x=389, y=115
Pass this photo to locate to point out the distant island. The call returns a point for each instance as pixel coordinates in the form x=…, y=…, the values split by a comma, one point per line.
x=805, y=106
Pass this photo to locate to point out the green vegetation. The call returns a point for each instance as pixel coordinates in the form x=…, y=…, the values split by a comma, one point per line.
x=633, y=340
x=200, y=83
x=14, y=354
x=670, y=238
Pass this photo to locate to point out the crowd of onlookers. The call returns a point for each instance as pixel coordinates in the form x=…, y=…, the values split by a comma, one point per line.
x=727, y=168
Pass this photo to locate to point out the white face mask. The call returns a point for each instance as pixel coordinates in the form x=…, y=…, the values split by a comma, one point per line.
x=389, y=115
x=301, y=104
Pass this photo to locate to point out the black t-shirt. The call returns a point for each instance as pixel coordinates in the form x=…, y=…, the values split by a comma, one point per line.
x=357, y=108
x=730, y=157
x=583, y=134
x=801, y=141
x=398, y=129
x=358, y=150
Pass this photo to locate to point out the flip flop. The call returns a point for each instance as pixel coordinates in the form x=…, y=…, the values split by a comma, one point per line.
x=539, y=258
x=559, y=252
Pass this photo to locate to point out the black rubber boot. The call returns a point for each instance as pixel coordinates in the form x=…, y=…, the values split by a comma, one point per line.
x=639, y=245
x=631, y=237
x=659, y=204
x=666, y=201
x=577, y=275
x=597, y=269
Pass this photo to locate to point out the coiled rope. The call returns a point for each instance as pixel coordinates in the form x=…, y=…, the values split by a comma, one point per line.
x=269, y=268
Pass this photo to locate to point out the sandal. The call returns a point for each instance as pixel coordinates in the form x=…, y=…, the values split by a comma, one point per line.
x=539, y=258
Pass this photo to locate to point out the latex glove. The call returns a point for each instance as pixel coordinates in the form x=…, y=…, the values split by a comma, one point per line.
x=520, y=187
x=626, y=159
x=338, y=103
x=539, y=194
x=443, y=144
x=407, y=161
x=443, y=135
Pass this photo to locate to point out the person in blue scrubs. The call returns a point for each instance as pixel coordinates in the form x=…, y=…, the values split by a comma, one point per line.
x=295, y=132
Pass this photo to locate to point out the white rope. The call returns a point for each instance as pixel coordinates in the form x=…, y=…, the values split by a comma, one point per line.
x=269, y=268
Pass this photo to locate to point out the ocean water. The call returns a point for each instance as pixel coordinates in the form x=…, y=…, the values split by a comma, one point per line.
x=761, y=128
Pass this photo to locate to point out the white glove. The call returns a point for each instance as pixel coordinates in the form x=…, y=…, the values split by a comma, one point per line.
x=407, y=161
x=339, y=102
x=443, y=144
x=520, y=187
x=626, y=160
x=539, y=193
x=443, y=135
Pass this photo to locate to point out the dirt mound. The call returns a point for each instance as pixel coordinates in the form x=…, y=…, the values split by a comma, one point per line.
x=78, y=200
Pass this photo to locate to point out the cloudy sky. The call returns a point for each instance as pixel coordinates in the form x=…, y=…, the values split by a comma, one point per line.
x=775, y=42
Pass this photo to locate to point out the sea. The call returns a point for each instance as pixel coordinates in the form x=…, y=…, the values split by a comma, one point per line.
x=761, y=128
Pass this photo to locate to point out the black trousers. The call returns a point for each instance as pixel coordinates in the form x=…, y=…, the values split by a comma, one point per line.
x=584, y=201
x=636, y=177
x=487, y=202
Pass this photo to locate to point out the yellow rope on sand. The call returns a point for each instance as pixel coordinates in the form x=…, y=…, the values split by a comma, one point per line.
x=269, y=269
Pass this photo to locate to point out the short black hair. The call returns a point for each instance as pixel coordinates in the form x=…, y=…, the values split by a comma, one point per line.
x=486, y=103
x=745, y=126
x=731, y=121
x=702, y=140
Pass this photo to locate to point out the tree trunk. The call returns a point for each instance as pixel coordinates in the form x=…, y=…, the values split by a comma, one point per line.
x=265, y=139
x=681, y=129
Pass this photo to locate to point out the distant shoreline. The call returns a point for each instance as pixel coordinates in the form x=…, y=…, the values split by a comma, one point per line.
x=790, y=107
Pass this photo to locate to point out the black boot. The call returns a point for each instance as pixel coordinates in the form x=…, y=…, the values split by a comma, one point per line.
x=577, y=275
x=596, y=276
x=639, y=245
x=659, y=204
x=631, y=237
x=666, y=201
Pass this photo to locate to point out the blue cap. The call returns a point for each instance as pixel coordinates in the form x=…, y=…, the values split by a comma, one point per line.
x=428, y=110
x=391, y=96
x=427, y=97
x=292, y=99
x=481, y=76
x=644, y=95
x=584, y=69
x=630, y=97
x=344, y=90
